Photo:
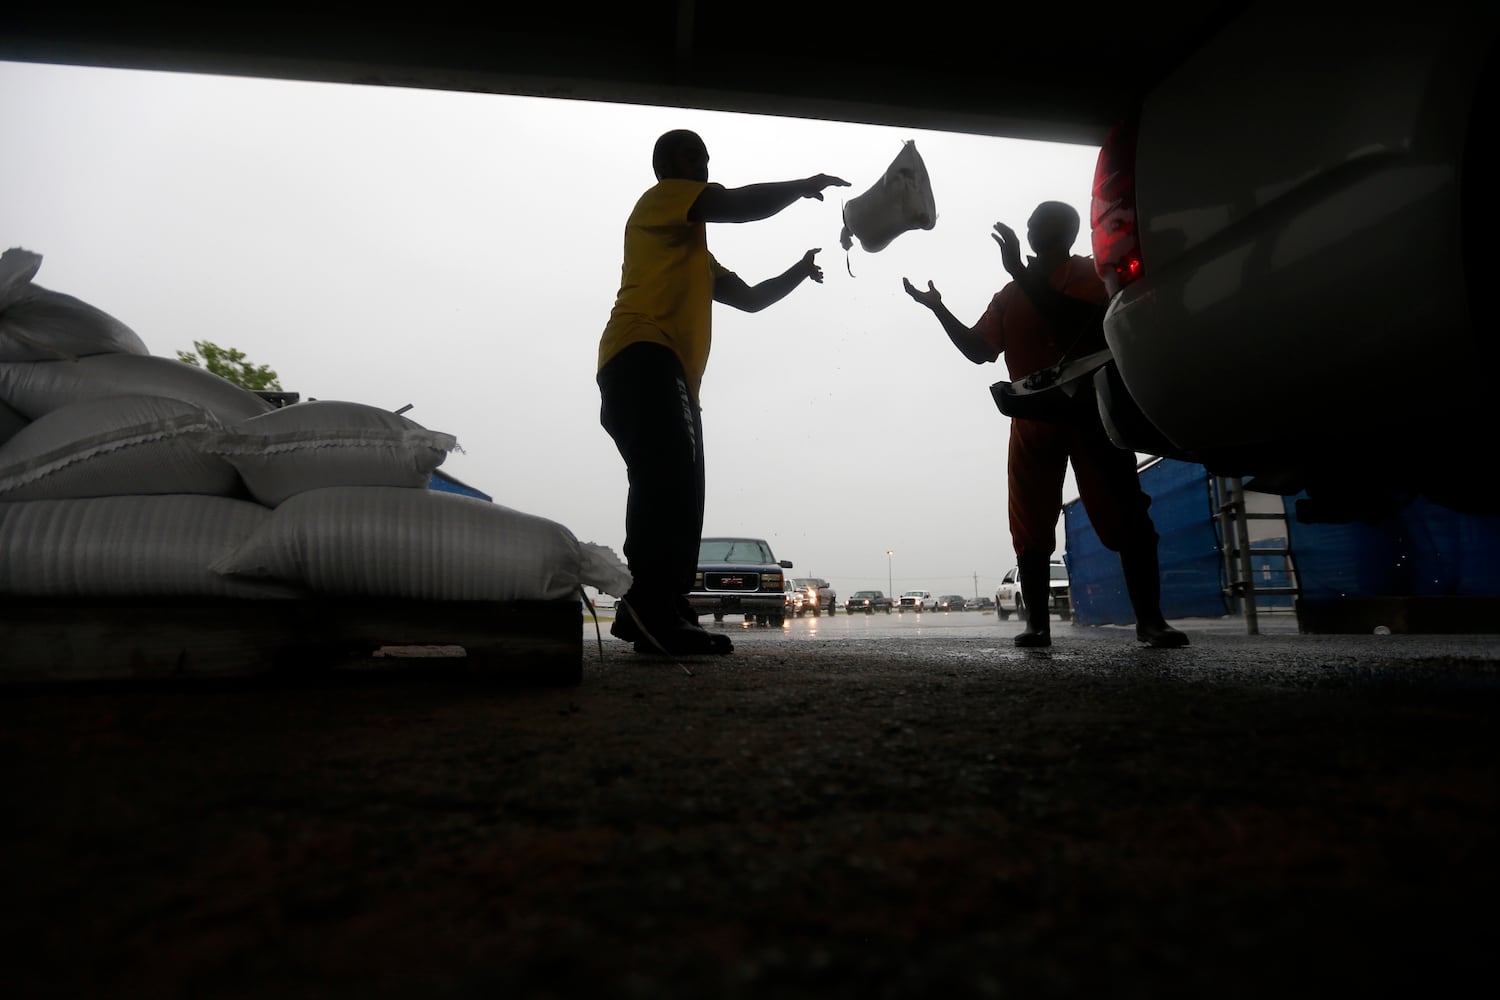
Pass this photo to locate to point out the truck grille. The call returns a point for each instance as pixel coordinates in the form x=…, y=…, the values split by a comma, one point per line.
x=731, y=581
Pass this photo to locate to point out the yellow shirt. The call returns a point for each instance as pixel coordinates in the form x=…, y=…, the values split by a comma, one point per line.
x=666, y=282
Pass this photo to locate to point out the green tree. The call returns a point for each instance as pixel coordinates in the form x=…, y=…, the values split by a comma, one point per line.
x=226, y=362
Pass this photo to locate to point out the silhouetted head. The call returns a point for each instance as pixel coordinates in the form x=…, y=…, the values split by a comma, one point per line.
x=1052, y=228
x=680, y=155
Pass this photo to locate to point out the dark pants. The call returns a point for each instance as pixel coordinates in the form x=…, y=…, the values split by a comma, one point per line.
x=646, y=408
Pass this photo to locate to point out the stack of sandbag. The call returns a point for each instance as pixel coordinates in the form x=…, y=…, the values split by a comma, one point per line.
x=127, y=474
x=351, y=513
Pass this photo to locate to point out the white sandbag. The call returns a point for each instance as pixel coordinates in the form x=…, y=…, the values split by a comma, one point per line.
x=49, y=325
x=601, y=569
x=10, y=423
x=156, y=546
x=38, y=324
x=323, y=443
x=899, y=202
x=17, y=267
x=384, y=541
x=115, y=446
x=36, y=388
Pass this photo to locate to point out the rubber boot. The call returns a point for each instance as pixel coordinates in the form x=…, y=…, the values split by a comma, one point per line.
x=1036, y=593
x=658, y=627
x=1142, y=571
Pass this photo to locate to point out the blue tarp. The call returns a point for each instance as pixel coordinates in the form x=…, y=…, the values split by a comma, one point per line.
x=1191, y=566
x=1452, y=553
x=447, y=484
x=1422, y=551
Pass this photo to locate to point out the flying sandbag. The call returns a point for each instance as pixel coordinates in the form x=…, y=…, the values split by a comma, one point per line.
x=897, y=203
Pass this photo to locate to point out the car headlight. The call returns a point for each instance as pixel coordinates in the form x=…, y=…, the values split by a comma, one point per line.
x=771, y=580
x=698, y=582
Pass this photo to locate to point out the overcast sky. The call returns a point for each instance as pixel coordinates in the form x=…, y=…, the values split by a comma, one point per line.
x=460, y=253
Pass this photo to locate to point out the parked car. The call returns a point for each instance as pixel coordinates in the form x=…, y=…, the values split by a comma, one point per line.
x=980, y=603
x=1008, y=600
x=868, y=602
x=1258, y=219
x=949, y=602
x=740, y=576
x=820, y=594
x=916, y=600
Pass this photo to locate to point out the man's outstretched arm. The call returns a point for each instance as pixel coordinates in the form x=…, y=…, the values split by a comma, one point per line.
x=970, y=344
x=730, y=288
x=754, y=202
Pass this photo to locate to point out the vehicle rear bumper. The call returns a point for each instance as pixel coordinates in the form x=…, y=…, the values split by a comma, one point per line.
x=1210, y=368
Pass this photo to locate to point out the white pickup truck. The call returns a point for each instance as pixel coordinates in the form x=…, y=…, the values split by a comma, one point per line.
x=1008, y=596
x=916, y=600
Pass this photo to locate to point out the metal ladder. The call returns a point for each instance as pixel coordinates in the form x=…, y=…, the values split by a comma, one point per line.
x=1235, y=540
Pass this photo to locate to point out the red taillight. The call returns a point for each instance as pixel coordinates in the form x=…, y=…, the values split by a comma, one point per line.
x=1117, y=246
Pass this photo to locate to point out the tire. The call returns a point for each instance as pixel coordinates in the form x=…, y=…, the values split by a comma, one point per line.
x=887, y=609
x=832, y=610
x=718, y=616
x=817, y=612
x=778, y=620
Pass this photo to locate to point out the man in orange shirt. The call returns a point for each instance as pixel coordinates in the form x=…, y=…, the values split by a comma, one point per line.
x=1053, y=308
x=652, y=356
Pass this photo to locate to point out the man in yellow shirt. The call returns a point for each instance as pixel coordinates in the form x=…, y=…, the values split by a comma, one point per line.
x=652, y=356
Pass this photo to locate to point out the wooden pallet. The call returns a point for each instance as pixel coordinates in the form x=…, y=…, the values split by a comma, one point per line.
x=524, y=642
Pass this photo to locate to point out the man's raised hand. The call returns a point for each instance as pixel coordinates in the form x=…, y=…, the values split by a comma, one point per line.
x=1010, y=249
x=817, y=183
x=929, y=298
x=810, y=266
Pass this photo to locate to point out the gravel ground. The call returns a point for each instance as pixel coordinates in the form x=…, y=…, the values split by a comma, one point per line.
x=886, y=815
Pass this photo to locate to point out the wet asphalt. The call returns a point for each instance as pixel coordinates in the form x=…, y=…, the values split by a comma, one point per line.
x=844, y=807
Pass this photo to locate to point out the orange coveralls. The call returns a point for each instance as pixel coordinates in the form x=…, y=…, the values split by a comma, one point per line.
x=1108, y=483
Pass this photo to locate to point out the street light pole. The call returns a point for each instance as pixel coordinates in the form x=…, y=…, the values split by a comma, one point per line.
x=890, y=587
